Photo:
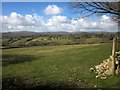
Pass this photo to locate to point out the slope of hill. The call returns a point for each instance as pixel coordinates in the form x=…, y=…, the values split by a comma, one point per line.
x=18, y=34
x=22, y=39
x=28, y=33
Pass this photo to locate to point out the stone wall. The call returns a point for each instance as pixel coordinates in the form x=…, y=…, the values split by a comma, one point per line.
x=109, y=66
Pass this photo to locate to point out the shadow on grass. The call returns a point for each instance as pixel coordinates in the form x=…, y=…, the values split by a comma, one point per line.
x=18, y=84
x=16, y=59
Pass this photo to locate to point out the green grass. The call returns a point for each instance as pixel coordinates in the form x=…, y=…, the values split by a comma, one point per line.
x=40, y=39
x=20, y=42
x=0, y=39
x=4, y=40
x=62, y=41
x=63, y=66
x=46, y=39
x=49, y=41
x=96, y=40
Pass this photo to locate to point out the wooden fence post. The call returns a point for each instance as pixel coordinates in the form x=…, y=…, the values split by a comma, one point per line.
x=113, y=55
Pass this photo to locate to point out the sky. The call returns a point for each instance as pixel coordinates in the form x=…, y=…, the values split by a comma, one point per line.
x=50, y=17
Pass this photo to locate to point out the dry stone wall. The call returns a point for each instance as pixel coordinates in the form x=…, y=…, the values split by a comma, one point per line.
x=109, y=66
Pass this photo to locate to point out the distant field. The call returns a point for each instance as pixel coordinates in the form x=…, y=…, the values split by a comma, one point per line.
x=92, y=40
x=55, y=66
x=20, y=42
x=53, y=40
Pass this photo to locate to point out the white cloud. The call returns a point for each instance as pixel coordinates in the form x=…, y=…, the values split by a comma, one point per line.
x=103, y=23
x=52, y=10
x=17, y=19
x=105, y=17
x=18, y=22
x=56, y=23
x=54, y=20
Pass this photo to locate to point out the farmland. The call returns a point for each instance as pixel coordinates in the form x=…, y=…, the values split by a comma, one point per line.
x=28, y=39
x=55, y=66
x=67, y=45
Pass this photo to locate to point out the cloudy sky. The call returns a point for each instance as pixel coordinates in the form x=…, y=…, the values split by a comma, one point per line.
x=50, y=17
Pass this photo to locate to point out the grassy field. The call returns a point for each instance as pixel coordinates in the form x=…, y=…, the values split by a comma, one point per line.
x=55, y=66
x=50, y=40
x=21, y=41
x=90, y=40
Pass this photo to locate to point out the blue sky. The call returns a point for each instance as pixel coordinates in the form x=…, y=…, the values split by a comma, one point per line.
x=34, y=7
x=50, y=17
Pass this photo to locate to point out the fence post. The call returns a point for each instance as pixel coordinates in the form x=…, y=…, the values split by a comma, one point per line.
x=117, y=50
x=113, y=55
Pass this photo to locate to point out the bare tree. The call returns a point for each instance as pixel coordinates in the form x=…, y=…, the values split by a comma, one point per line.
x=90, y=8
x=86, y=9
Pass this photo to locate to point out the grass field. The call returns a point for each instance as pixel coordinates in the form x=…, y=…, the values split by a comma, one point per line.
x=55, y=66
x=90, y=40
x=50, y=40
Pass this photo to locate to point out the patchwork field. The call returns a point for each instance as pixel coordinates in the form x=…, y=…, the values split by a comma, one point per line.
x=55, y=66
x=29, y=39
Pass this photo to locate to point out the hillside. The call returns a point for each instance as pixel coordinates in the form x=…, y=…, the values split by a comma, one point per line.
x=25, y=39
